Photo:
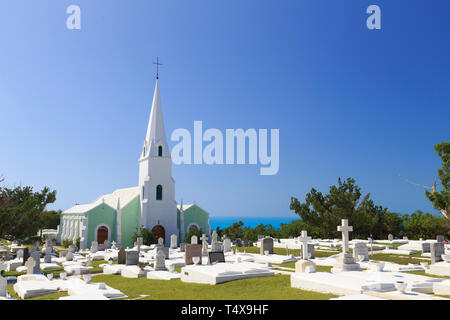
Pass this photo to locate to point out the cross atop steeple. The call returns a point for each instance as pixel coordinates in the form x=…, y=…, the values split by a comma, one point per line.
x=157, y=67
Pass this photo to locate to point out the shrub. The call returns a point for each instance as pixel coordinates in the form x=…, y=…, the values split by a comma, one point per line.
x=147, y=236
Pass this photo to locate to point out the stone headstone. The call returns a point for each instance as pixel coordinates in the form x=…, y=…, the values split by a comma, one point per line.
x=390, y=237
x=37, y=258
x=226, y=245
x=3, y=285
x=121, y=256
x=182, y=246
x=440, y=238
x=426, y=247
x=194, y=239
x=48, y=250
x=204, y=239
x=160, y=261
x=47, y=259
x=192, y=250
x=303, y=239
x=139, y=243
x=266, y=245
x=94, y=247
x=405, y=238
x=107, y=244
x=72, y=248
x=113, y=245
x=101, y=247
x=437, y=250
x=216, y=257
x=214, y=236
x=89, y=261
x=132, y=257
x=161, y=241
x=305, y=266
x=26, y=255
x=360, y=249
x=63, y=254
x=19, y=254
x=345, y=261
x=173, y=241
x=69, y=256
x=310, y=251
x=30, y=264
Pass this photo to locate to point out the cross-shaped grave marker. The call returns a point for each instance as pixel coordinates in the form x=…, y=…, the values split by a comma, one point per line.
x=304, y=241
x=345, y=229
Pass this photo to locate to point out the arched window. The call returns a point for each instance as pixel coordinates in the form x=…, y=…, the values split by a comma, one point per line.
x=159, y=192
x=160, y=151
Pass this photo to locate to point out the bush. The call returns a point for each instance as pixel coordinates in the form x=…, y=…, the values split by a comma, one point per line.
x=425, y=225
x=193, y=232
x=147, y=236
x=66, y=243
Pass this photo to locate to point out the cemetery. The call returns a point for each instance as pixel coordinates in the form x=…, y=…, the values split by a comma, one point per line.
x=297, y=268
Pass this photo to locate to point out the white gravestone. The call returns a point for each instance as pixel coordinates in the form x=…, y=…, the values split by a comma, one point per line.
x=173, y=241
x=139, y=243
x=30, y=264
x=345, y=261
x=204, y=239
x=226, y=245
x=194, y=239
x=160, y=261
x=94, y=247
x=360, y=249
x=3, y=285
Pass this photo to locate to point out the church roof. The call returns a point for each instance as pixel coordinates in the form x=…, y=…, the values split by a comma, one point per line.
x=188, y=206
x=185, y=206
x=156, y=134
x=125, y=195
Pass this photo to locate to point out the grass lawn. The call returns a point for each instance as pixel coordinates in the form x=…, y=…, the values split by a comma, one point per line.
x=292, y=265
x=277, y=287
x=52, y=296
x=282, y=251
x=394, y=245
x=423, y=273
x=394, y=258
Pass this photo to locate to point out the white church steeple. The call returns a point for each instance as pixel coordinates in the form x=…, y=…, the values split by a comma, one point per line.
x=157, y=187
x=155, y=144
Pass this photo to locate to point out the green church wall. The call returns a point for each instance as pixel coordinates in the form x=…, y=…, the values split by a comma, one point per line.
x=101, y=215
x=195, y=214
x=130, y=221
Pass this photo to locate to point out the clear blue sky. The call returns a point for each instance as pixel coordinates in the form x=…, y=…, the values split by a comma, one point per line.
x=74, y=105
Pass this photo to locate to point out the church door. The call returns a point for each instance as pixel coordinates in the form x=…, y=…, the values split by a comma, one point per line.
x=102, y=235
x=159, y=232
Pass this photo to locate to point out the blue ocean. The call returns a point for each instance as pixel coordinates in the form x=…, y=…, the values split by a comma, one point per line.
x=223, y=222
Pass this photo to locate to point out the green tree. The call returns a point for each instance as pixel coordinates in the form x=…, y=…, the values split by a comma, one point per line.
x=21, y=210
x=424, y=225
x=193, y=232
x=344, y=201
x=50, y=219
x=441, y=199
x=147, y=236
x=295, y=228
x=234, y=231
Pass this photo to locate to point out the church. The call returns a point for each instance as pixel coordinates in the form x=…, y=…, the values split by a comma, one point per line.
x=151, y=204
